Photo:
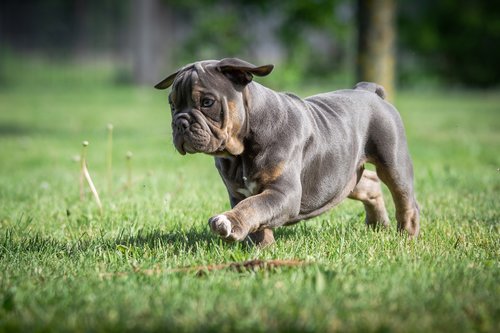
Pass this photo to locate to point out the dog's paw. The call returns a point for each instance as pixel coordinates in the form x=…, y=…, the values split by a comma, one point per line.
x=221, y=225
x=228, y=229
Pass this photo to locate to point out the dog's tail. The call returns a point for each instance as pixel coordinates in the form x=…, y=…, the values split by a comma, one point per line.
x=371, y=87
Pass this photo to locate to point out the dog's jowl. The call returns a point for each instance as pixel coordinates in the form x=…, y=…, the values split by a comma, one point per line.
x=284, y=159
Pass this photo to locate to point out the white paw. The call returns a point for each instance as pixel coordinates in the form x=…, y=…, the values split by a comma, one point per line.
x=221, y=225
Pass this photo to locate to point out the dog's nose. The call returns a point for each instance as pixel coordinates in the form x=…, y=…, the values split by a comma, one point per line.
x=181, y=124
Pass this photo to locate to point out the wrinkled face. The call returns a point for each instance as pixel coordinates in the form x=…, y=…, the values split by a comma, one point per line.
x=207, y=111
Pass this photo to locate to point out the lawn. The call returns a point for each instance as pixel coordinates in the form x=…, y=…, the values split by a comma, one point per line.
x=64, y=266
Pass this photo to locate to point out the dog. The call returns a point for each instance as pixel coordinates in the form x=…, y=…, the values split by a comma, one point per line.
x=284, y=159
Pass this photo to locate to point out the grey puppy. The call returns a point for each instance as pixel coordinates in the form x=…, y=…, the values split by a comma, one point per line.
x=284, y=159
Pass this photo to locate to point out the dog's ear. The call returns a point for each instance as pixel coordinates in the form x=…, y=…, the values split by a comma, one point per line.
x=167, y=82
x=241, y=72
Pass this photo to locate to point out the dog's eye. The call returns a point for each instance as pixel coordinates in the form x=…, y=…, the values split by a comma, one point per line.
x=207, y=102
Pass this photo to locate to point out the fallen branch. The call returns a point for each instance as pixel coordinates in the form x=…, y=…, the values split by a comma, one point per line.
x=249, y=265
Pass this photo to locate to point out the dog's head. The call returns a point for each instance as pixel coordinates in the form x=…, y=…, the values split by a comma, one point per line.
x=209, y=106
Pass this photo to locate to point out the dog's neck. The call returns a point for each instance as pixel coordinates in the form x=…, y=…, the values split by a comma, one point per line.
x=262, y=121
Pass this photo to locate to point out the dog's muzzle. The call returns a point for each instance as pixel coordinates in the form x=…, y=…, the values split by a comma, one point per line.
x=190, y=136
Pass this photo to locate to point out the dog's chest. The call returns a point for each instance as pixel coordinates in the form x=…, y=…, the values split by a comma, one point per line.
x=238, y=176
x=250, y=187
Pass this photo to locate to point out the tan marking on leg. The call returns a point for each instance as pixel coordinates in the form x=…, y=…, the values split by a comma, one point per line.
x=268, y=176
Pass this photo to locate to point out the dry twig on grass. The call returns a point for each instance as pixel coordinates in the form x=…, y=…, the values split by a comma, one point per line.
x=249, y=265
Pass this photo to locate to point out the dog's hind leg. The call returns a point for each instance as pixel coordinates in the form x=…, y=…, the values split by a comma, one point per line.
x=399, y=180
x=395, y=169
x=369, y=192
x=388, y=150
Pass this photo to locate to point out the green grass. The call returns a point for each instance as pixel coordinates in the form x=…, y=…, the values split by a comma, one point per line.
x=58, y=255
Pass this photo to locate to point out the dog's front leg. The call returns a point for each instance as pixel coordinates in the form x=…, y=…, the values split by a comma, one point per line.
x=269, y=209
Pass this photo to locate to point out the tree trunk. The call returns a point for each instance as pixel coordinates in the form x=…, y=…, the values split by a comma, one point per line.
x=376, y=34
x=142, y=44
x=81, y=39
x=152, y=40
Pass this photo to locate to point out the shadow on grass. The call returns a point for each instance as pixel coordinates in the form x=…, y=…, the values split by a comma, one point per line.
x=156, y=237
x=179, y=241
x=183, y=241
x=15, y=130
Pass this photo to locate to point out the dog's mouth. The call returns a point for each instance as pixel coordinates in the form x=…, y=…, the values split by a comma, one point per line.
x=192, y=133
x=195, y=140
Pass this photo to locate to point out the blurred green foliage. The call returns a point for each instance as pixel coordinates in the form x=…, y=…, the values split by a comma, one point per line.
x=457, y=40
x=446, y=41
x=226, y=28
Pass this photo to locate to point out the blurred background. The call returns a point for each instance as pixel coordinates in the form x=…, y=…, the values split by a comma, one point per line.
x=408, y=44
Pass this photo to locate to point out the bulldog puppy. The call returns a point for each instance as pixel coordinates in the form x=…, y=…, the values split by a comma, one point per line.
x=284, y=159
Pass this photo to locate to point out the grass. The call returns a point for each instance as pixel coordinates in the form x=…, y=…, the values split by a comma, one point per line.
x=59, y=256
